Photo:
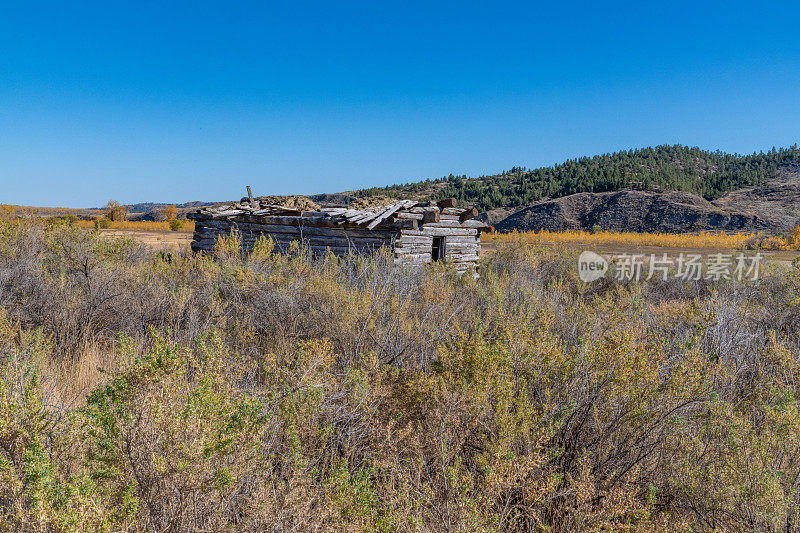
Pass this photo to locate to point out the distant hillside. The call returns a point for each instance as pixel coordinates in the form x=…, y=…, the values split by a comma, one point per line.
x=23, y=211
x=152, y=206
x=675, y=168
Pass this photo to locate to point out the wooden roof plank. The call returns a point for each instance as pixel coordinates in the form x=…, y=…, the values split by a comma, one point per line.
x=383, y=216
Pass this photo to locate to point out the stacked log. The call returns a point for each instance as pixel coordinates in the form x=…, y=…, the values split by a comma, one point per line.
x=319, y=238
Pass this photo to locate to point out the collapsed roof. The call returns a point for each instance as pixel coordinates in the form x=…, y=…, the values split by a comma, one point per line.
x=407, y=214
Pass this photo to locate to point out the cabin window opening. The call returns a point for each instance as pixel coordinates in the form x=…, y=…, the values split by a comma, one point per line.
x=438, y=250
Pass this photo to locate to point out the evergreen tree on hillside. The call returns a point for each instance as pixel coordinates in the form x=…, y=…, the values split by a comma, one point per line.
x=675, y=167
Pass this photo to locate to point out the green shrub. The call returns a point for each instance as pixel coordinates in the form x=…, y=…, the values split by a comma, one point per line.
x=176, y=224
x=195, y=438
x=38, y=491
x=66, y=220
x=102, y=223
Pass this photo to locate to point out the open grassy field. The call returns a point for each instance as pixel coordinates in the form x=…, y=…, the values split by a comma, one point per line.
x=608, y=245
x=140, y=226
x=152, y=238
x=142, y=390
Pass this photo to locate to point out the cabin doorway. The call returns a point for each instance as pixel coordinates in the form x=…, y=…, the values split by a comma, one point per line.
x=438, y=250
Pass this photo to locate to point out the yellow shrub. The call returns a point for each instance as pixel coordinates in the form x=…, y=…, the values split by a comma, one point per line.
x=677, y=240
x=170, y=212
x=140, y=225
x=793, y=242
x=115, y=211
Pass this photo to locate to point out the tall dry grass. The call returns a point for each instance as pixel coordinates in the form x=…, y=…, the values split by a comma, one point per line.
x=285, y=392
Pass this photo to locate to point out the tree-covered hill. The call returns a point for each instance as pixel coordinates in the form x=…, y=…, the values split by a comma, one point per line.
x=710, y=174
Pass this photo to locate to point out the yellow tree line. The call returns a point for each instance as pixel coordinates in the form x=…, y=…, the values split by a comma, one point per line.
x=677, y=240
x=141, y=225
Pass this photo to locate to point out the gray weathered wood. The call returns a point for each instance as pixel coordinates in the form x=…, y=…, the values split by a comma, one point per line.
x=326, y=222
x=477, y=224
x=308, y=239
x=406, y=226
x=309, y=230
x=385, y=214
x=440, y=231
x=468, y=214
x=366, y=217
x=403, y=215
x=413, y=249
x=414, y=240
x=461, y=258
x=444, y=224
x=430, y=214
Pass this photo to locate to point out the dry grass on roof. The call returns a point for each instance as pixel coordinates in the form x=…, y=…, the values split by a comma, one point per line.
x=373, y=201
x=300, y=203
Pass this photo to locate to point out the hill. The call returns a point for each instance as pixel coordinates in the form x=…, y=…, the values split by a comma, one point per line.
x=639, y=211
x=707, y=174
x=773, y=206
x=154, y=206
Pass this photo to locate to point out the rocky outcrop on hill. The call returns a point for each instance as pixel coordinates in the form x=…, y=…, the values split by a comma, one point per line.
x=495, y=216
x=777, y=202
x=333, y=199
x=641, y=211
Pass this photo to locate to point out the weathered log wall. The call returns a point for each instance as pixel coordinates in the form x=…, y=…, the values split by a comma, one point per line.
x=462, y=245
x=320, y=240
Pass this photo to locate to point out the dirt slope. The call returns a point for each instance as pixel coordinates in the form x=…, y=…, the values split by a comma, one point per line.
x=778, y=202
x=641, y=211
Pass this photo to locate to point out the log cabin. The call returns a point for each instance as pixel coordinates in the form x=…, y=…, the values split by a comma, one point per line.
x=415, y=232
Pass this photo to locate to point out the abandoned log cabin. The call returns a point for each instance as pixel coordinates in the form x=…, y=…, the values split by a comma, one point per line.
x=415, y=232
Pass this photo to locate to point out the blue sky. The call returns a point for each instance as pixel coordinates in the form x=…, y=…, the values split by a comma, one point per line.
x=179, y=101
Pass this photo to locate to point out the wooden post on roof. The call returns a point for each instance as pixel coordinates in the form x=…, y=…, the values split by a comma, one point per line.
x=430, y=214
x=468, y=214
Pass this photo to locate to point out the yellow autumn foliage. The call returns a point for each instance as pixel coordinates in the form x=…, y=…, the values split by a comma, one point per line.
x=139, y=225
x=672, y=240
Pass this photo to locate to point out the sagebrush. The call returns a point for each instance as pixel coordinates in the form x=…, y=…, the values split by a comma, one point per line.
x=154, y=390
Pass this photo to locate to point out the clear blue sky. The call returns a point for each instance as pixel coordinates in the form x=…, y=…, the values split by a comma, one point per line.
x=171, y=101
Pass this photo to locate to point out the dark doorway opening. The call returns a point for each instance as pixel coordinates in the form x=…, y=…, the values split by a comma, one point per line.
x=438, y=251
